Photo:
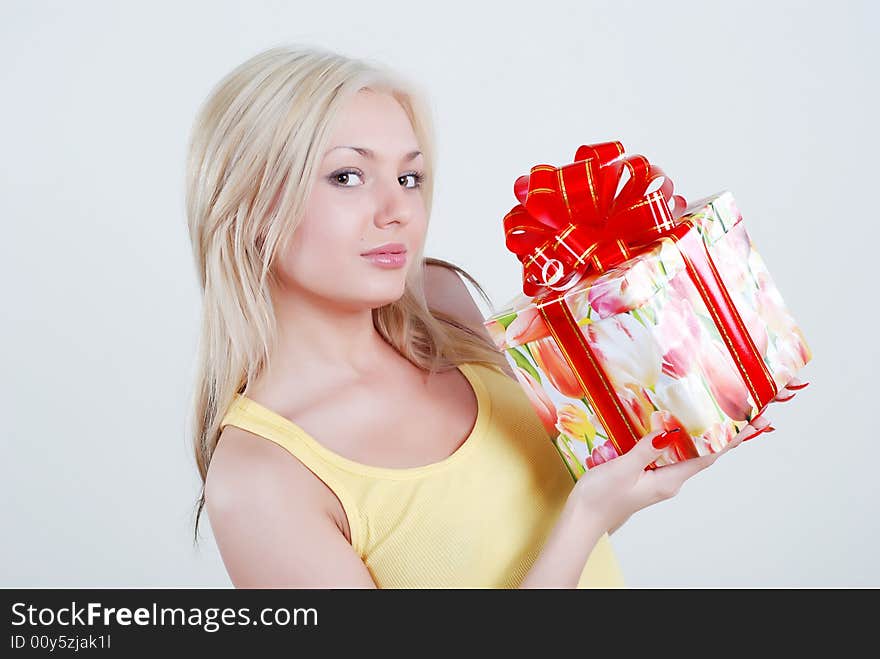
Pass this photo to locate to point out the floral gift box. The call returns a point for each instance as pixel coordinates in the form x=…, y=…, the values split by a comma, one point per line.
x=679, y=325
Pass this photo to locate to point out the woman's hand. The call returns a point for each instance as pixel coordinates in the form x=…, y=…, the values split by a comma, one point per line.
x=612, y=491
x=789, y=390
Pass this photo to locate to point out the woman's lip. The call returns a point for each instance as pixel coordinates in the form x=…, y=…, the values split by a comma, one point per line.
x=387, y=248
x=387, y=259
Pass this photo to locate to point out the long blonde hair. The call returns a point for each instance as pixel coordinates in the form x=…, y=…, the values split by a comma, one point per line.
x=252, y=158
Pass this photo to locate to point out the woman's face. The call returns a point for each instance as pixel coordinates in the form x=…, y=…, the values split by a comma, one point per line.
x=360, y=201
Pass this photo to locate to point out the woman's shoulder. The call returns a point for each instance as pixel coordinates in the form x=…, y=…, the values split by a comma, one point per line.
x=445, y=291
x=248, y=473
x=268, y=514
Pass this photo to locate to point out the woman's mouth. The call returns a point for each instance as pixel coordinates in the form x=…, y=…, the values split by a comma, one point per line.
x=387, y=259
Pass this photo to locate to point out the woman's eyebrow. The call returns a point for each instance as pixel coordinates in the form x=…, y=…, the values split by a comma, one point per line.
x=369, y=154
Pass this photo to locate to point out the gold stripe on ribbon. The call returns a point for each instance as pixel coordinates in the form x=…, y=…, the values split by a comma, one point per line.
x=585, y=349
x=564, y=193
x=707, y=299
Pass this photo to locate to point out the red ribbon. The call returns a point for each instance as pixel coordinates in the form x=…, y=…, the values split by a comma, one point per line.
x=572, y=218
x=577, y=218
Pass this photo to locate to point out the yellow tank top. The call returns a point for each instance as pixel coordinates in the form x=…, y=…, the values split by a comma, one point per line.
x=477, y=519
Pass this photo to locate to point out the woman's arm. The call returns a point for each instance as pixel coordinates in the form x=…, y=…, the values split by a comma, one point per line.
x=567, y=548
x=271, y=524
x=608, y=494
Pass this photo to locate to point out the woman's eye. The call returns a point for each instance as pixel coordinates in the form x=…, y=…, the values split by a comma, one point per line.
x=416, y=177
x=344, y=177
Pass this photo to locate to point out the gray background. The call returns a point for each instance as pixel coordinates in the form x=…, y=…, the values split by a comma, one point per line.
x=775, y=101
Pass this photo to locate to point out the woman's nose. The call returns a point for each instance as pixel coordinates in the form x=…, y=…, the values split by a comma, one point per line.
x=395, y=204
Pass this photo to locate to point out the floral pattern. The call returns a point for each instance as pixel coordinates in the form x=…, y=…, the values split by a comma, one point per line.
x=658, y=344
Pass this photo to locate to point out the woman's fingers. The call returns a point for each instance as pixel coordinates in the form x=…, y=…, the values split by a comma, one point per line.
x=789, y=390
x=751, y=430
x=784, y=395
x=796, y=383
x=747, y=431
x=650, y=447
x=668, y=479
x=754, y=426
x=665, y=481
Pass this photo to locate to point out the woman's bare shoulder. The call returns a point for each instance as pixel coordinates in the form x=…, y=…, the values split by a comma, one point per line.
x=247, y=470
x=270, y=520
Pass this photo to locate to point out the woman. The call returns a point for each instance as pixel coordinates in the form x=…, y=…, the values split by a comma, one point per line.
x=402, y=452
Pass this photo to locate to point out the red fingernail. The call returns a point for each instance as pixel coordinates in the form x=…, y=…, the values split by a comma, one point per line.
x=764, y=429
x=797, y=386
x=664, y=439
x=785, y=400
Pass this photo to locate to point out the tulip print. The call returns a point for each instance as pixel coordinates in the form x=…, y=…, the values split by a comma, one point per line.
x=716, y=438
x=605, y=298
x=755, y=325
x=573, y=461
x=637, y=406
x=678, y=334
x=602, y=453
x=725, y=381
x=687, y=399
x=538, y=398
x=498, y=333
x=682, y=286
x=790, y=351
x=730, y=255
x=627, y=350
x=789, y=356
x=578, y=301
x=738, y=241
x=551, y=362
x=622, y=291
x=771, y=307
x=573, y=422
x=526, y=327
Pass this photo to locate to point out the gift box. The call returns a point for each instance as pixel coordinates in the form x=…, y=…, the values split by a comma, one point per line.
x=639, y=311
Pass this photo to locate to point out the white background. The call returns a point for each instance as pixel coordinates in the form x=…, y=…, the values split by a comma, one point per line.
x=775, y=101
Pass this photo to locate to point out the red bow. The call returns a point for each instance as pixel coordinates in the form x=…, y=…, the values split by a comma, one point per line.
x=582, y=215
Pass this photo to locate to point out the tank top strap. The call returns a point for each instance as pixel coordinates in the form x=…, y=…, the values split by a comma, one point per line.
x=248, y=415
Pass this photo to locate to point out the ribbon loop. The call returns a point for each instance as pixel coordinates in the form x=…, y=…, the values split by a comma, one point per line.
x=585, y=215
